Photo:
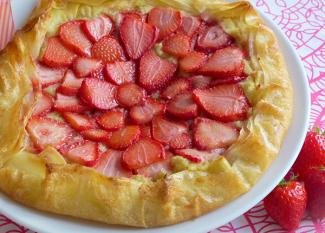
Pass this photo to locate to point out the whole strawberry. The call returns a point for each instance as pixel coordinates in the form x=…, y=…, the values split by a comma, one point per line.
x=315, y=187
x=286, y=204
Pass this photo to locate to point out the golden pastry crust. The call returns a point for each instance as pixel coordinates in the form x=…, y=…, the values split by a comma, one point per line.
x=46, y=182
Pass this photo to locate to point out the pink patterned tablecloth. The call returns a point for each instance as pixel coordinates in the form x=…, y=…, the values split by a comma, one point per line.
x=303, y=21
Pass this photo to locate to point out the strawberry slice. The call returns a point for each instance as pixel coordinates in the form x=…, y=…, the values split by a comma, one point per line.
x=200, y=82
x=130, y=94
x=137, y=36
x=96, y=135
x=110, y=164
x=178, y=86
x=74, y=38
x=123, y=137
x=198, y=156
x=65, y=103
x=183, y=106
x=167, y=20
x=85, y=154
x=56, y=55
x=130, y=14
x=97, y=28
x=78, y=121
x=99, y=74
x=120, y=72
x=224, y=63
x=228, y=80
x=224, y=102
x=144, y=113
x=177, y=45
x=155, y=72
x=98, y=94
x=213, y=38
x=111, y=120
x=73, y=142
x=84, y=66
x=192, y=61
x=145, y=131
x=210, y=134
x=70, y=84
x=45, y=131
x=43, y=105
x=182, y=141
x=108, y=49
x=49, y=76
x=190, y=25
x=143, y=153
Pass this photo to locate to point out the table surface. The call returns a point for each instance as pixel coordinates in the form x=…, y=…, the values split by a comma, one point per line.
x=303, y=22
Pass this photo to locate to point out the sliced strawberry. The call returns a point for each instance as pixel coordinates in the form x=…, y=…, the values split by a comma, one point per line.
x=70, y=84
x=130, y=14
x=155, y=72
x=224, y=102
x=182, y=141
x=120, y=72
x=45, y=131
x=167, y=20
x=98, y=94
x=97, y=28
x=193, y=61
x=43, y=105
x=56, y=54
x=228, y=80
x=144, y=113
x=111, y=120
x=99, y=74
x=74, y=141
x=212, y=38
x=224, y=63
x=84, y=66
x=198, y=156
x=183, y=106
x=123, y=137
x=110, y=164
x=177, y=45
x=137, y=36
x=210, y=134
x=73, y=37
x=200, y=82
x=85, y=154
x=145, y=131
x=65, y=103
x=79, y=122
x=108, y=49
x=130, y=94
x=178, y=86
x=49, y=76
x=190, y=25
x=96, y=135
x=143, y=153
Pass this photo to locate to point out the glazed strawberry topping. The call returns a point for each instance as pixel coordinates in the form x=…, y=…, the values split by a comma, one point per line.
x=96, y=135
x=108, y=49
x=183, y=106
x=98, y=28
x=120, y=72
x=85, y=154
x=84, y=66
x=178, y=86
x=43, y=105
x=123, y=137
x=79, y=122
x=177, y=45
x=111, y=120
x=48, y=76
x=130, y=94
x=190, y=25
x=64, y=103
x=193, y=61
x=142, y=114
x=71, y=84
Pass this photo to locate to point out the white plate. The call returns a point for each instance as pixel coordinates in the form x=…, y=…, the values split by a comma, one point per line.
x=49, y=223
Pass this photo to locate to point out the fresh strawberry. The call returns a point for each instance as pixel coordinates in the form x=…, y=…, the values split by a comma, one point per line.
x=224, y=102
x=110, y=164
x=111, y=120
x=228, y=80
x=43, y=105
x=143, y=153
x=65, y=103
x=198, y=156
x=224, y=63
x=130, y=14
x=108, y=49
x=85, y=154
x=137, y=36
x=286, y=204
x=120, y=72
x=123, y=137
x=73, y=37
x=210, y=134
x=96, y=135
x=311, y=155
x=167, y=20
x=178, y=86
x=84, y=66
x=192, y=61
x=130, y=94
x=98, y=94
x=182, y=141
x=212, y=38
x=49, y=76
x=56, y=54
x=74, y=141
x=178, y=45
x=200, y=82
x=70, y=84
x=155, y=72
x=97, y=28
x=183, y=106
x=79, y=122
x=99, y=74
x=145, y=131
x=45, y=131
x=144, y=113
x=190, y=25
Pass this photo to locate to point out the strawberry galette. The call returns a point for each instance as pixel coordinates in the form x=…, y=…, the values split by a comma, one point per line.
x=140, y=113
